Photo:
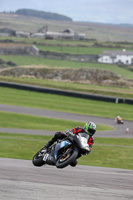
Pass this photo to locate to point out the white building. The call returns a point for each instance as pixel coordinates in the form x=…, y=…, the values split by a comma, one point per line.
x=65, y=34
x=38, y=35
x=125, y=57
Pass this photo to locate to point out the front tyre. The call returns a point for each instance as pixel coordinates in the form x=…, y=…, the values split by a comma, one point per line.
x=65, y=161
x=38, y=159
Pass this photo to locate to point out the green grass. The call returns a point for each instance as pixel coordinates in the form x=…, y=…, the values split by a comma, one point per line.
x=20, y=146
x=62, y=103
x=115, y=141
x=74, y=43
x=65, y=104
x=109, y=156
x=36, y=61
x=22, y=121
x=77, y=50
x=79, y=87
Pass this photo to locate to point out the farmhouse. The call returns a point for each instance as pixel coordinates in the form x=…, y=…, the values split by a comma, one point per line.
x=58, y=35
x=68, y=30
x=7, y=32
x=70, y=33
x=125, y=57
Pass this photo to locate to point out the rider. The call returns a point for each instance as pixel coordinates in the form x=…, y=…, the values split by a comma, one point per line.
x=89, y=128
x=118, y=118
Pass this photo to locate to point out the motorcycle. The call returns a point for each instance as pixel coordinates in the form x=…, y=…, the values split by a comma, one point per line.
x=119, y=121
x=64, y=152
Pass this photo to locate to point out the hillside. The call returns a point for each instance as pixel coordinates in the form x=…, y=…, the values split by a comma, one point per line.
x=100, y=32
x=42, y=14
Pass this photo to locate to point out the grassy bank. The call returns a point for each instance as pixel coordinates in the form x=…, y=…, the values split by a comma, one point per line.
x=65, y=104
x=25, y=146
x=109, y=156
x=22, y=121
x=79, y=87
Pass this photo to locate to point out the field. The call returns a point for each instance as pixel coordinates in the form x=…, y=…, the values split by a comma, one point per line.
x=38, y=62
x=26, y=60
x=77, y=50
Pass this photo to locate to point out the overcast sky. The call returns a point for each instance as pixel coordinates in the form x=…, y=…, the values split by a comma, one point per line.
x=105, y=11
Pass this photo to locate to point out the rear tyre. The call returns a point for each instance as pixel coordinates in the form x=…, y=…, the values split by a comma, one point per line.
x=38, y=159
x=63, y=162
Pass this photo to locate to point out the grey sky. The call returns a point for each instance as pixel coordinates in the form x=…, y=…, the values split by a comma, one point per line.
x=106, y=11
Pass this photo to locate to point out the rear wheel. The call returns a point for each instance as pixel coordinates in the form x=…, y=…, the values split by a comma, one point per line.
x=38, y=159
x=66, y=160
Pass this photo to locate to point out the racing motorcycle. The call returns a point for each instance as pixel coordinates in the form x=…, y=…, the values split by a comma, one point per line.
x=119, y=121
x=64, y=152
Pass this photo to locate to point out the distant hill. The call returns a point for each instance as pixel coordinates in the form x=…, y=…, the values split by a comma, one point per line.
x=42, y=14
x=126, y=25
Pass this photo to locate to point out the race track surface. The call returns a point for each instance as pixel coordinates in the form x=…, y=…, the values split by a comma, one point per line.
x=119, y=130
x=19, y=179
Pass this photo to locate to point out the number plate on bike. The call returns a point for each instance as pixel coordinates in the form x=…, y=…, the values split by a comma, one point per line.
x=46, y=156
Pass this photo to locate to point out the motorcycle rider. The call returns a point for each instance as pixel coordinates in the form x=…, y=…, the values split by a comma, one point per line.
x=118, y=119
x=89, y=128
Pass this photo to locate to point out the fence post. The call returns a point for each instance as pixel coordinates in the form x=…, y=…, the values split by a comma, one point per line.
x=116, y=100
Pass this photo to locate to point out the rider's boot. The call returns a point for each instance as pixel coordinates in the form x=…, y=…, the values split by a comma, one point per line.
x=47, y=145
x=58, y=135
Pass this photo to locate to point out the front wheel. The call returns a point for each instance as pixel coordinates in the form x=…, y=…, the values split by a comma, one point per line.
x=67, y=160
x=38, y=159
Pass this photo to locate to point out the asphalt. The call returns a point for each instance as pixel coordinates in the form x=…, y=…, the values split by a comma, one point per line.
x=118, y=131
x=20, y=180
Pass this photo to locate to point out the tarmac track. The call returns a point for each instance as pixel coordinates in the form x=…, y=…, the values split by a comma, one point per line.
x=20, y=180
x=119, y=130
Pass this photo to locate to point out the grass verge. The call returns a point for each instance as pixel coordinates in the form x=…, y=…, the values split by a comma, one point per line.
x=20, y=146
x=79, y=87
x=22, y=121
x=64, y=104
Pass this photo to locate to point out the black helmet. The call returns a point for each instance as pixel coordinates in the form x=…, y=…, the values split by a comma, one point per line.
x=90, y=128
